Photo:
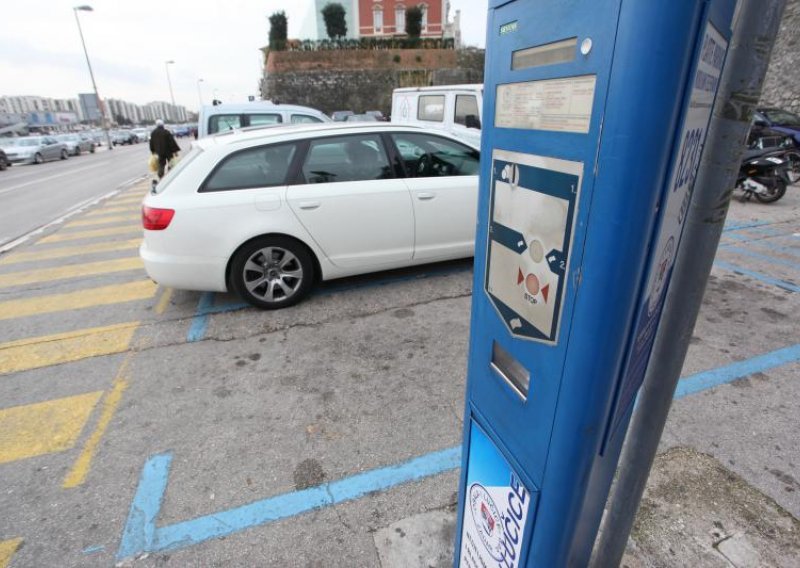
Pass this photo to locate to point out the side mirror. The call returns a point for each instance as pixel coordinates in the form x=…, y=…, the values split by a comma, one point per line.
x=472, y=121
x=761, y=123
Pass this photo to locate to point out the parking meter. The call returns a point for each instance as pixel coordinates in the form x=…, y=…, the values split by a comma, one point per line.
x=595, y=115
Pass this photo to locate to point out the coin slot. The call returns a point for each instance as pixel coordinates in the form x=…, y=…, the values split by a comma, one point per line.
x=510, y=370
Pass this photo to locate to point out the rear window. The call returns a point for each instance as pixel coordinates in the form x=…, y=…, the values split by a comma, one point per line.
x=263, y=166
x=431, y=108
x=179, y=167
x=304, y=119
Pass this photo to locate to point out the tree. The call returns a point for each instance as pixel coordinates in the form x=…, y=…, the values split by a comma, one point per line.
x=414, y=22
x=277, y=31
x=335, y=24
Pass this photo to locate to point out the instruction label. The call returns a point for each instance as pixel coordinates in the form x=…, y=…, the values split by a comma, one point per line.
x=560, y=105
x=679, y=196
x=495, y=509
x=532, y=212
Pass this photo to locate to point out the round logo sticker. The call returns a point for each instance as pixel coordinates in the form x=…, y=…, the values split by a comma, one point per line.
x=486, y=518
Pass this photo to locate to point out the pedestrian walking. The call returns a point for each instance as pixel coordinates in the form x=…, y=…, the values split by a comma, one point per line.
x=163, y=145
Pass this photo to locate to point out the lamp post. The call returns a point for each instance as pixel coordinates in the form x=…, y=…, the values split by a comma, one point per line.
x=104, y=120
x=199, y=92
x=169, y=81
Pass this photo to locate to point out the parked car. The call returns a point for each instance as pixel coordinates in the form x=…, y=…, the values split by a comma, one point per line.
x=341, y=115
x=3, y=160
x=34, y=149
x=121, y=137
x=452, y=108
x=267, y=213
x=76, y=143
x=142, y=134
x=361, y=118
x=182, y=131
x=376, y=113
x=778, y=120
x=225, y=117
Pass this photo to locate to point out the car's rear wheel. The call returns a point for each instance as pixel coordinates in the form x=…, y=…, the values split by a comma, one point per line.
x=272, y=272
x=37, y=158
x=77, y=150
x=64, y=154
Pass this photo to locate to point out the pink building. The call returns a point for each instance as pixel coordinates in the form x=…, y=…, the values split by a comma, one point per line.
x=388, y=17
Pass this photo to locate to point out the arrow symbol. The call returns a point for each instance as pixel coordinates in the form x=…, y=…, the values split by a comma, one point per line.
x=520, y=277
x=515, y=323
x=545, y=291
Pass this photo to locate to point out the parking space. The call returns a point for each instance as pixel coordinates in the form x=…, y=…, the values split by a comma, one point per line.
x=155, y=427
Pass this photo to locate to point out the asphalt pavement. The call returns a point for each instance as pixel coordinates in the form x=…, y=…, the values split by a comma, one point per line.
x=144, y=426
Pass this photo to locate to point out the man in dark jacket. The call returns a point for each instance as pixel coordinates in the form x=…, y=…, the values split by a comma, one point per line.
x=163, y=145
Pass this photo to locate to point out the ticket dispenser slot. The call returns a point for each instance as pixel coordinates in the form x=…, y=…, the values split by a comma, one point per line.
x=587, y=105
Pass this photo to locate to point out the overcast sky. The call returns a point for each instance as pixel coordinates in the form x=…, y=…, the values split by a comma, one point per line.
x=130, y=40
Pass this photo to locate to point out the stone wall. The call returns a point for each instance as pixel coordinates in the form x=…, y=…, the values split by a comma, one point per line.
x=361, y=80
x=782, y=84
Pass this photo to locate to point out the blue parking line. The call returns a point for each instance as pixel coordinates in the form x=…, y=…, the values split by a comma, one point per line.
x=197, y=330
x=141, y=534
x=757, y=276
x=715, y=377
x=764, y=257
x=769, y=231
x=739, y=227
x=768, y=244
x=93, y=549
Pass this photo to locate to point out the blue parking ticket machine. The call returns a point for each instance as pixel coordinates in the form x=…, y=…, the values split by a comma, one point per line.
x=596, y=114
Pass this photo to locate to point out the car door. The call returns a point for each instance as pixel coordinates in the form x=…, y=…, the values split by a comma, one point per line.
x=442, y=176
x=352, y=205
x=51, y=148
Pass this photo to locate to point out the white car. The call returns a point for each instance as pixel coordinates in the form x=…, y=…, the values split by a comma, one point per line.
x=267, y=213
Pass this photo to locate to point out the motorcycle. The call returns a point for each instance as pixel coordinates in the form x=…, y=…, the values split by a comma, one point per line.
x=765, y=174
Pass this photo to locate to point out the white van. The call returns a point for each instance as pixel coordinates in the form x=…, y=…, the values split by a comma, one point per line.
x=455, y=108
x=224, y=117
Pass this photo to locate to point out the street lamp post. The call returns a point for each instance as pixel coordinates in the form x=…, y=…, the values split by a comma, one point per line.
x=199, y=93
x=169, y=82
x=104, y=120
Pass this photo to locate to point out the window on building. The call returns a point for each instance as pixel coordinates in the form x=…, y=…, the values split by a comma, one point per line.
x=424, y=23
x=400, y=19
x=377, y=19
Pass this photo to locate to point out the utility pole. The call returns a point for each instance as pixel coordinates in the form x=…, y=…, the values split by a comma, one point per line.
x=169, y=81
x=755, y=28
x=103, y=119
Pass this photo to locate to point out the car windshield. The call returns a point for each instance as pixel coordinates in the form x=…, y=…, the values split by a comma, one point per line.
x=28, y=142
x=782, y=117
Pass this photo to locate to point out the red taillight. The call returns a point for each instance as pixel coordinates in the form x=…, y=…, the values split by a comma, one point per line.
x=154, y=219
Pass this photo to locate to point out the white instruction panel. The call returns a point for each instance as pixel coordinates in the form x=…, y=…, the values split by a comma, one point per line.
x=560, y=105
x=532, y=212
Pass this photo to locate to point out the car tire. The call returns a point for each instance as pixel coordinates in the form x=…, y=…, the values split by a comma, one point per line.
x=64, y=154
x=272, y=272
x=3, y=164
x=37, y=158
x=91, y=150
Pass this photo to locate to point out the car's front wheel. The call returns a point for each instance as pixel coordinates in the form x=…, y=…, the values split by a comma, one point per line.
x=64, y=154
x=272, y=272
x=38, y=159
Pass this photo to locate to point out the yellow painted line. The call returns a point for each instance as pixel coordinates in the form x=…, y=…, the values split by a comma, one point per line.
x=66, y=252
x=103, y=220
x=114, y=210
x=163, y=301
x=61, y=237
x=44, y=351
x=7, y=550
x=80, y=469
x=91, y=297
x=44, y=427
x=127, y=199
x=70, y=271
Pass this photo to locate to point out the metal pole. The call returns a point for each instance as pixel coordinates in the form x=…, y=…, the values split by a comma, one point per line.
x=755, y=28
x=103, y=118
x=199, y=93
x=169, y=81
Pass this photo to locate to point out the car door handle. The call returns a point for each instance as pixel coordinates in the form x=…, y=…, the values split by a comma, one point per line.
x=425, y=196
x=308, y=205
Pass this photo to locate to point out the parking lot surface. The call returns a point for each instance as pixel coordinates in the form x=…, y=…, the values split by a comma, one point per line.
x=147, y=426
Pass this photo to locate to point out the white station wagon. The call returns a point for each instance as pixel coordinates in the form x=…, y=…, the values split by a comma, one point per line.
x=269, y=212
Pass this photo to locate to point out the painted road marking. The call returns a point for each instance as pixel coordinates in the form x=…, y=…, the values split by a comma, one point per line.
x=91, y=297
x=48, y=178
x=764, y=257
x=163, y=301
x=80, y=469
x=44, y=427
x=142, y=536
x=757, y=276
x=70, y=271
x=114, y=210
x=61, y=237
x=44, y=351
x=66, y=252
x=7, y=550
x=102, y=221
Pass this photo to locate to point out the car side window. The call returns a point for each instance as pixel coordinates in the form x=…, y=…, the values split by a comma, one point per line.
x=264, y=166
x=304, y=119
x=466, y=111
x=262, y=119
x=223, y=122
x=426, y=155
x=431, y=108
x=346, y=158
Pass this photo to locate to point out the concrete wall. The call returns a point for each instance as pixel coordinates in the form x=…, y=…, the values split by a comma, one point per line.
x=782, y=85
x=361, y=80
